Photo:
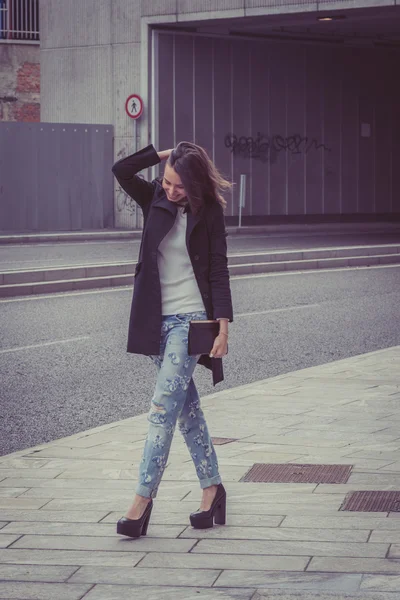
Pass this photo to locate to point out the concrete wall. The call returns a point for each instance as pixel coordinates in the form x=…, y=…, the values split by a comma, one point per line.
x=19, y=82
x=98, y=53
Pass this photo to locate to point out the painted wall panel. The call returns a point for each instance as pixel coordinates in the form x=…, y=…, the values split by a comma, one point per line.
x=165, y=94
x=184, y=86
x=261, y=130
x=314, y=110
x=67, y=183
x=332, y=111
x=364, y=64
x=223, y=125
x=203, y=93
x=295, y=143
x=350, y=140
x=241, y=119
x=383, y=131
x=277, y=109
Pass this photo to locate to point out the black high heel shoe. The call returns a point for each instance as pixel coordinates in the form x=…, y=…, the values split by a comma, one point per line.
x=204, y=519
x=135, y=527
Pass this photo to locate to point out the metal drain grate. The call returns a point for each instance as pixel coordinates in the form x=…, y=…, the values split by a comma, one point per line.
x=294, y=473
x=372, y=501
x=218, y=441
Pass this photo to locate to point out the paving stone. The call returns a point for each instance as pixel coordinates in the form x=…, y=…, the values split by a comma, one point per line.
x=338, y=523
x=54, y=516
x=120, y=544
x=224, y=561
x=11, y=492
x=385, y=536
x=35, y=573
x=296, y=581
x=6, y=540
x=377, y=479
x=13, y=590
x=277, y=533
x=33, y=473
x=290, y=548
x=77, y=484
x=353, y=565
x=21, y=463
x=67, y=492
x=176, y=577
x=276, y=595
x=83, y=504
x=393, y=467
x=127, y=592
x=380, y=583
x=394, y=551
x=342, y=488
x=69, y=557
x=23, y=502
x=92, y=529
x=158, y=518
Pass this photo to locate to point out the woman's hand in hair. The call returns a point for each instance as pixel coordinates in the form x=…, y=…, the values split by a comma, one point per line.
x=220, y=347
x=164, y=154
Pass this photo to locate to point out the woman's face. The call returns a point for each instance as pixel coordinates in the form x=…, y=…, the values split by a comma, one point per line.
x=172, y=185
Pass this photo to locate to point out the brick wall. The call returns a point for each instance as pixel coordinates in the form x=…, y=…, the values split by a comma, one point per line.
x=19, y=82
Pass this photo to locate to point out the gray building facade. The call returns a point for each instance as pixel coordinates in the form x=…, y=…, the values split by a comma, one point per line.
x=299, y=96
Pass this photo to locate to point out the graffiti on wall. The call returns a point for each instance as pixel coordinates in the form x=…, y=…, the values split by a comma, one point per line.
x=124, y=202
x=267, y=148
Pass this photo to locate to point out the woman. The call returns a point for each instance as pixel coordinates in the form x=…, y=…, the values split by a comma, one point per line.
x=181, y=275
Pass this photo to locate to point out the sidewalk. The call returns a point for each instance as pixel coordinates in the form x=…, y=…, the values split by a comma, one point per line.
x=59, y=502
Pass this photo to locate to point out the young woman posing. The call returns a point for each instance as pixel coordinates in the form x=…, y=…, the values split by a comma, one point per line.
x=181, y=275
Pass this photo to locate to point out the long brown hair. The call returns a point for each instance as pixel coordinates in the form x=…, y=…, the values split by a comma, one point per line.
x=201, y=179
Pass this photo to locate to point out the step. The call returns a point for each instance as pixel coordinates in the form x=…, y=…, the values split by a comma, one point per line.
x=53, y=286
x=316, y=263
x=67, y=273
x=128, y=267
x=284, y=255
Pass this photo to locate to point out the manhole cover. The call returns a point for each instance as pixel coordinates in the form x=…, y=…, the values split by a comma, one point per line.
x=294, y=473
x=218, y=441
x=372, y=501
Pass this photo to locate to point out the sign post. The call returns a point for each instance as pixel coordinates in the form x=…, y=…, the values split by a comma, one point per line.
x=134, y=110
x=242, y=197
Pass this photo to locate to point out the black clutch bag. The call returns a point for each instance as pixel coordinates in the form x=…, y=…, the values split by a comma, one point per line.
x=202, y=335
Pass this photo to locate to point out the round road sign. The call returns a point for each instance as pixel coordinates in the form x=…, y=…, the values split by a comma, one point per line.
x=134, y=106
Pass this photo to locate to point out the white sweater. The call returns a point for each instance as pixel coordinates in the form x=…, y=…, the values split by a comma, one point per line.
x=179, y=290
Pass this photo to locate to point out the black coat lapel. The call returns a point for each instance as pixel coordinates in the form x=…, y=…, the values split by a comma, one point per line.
x=192, y=221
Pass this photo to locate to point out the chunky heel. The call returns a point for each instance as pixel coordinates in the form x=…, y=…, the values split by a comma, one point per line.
x=135, y=527
x=146, y=524
x=220, y=512
x=204, y=519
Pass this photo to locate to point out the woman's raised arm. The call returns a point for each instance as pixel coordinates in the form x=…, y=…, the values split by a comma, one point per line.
x=126, y=169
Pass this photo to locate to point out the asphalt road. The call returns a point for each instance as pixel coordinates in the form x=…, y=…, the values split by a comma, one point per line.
x=30, y=256
x=64, y=369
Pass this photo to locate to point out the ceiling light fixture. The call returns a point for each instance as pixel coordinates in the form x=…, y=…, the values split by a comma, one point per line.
x=331, y=18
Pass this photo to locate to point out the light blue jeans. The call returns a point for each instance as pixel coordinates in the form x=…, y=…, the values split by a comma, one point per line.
x=176, y=400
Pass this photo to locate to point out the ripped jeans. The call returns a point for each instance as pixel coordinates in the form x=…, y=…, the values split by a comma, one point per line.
x=176, y=400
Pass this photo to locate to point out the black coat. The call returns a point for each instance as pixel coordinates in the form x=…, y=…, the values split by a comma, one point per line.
x=206, y=244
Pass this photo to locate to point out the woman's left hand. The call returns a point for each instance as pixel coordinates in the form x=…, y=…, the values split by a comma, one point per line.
x=220, y=347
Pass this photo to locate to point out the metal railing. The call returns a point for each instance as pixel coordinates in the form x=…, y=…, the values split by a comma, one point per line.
x=19, y=20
